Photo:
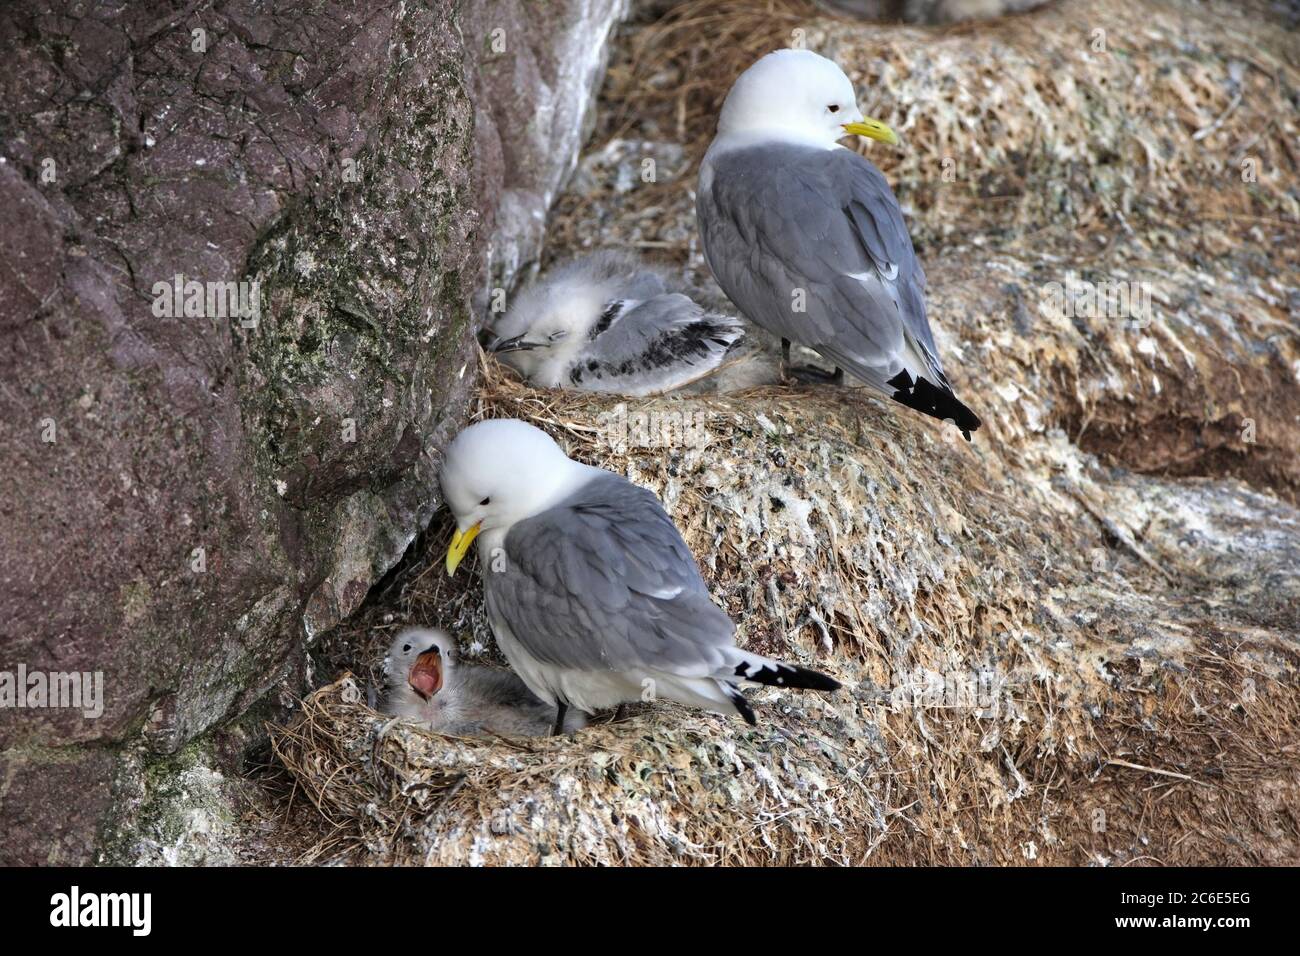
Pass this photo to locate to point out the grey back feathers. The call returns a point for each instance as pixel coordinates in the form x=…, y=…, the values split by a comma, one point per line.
x=654, y=346
x=608, y=323
x=604, y=581
x=811, y=244
x=599, y=599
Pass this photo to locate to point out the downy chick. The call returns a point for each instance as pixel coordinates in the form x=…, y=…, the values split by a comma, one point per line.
x=425, y=683
x=607, y=322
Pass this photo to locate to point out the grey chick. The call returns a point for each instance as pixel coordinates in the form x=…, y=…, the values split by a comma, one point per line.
x=424, y=683
x=607, y=322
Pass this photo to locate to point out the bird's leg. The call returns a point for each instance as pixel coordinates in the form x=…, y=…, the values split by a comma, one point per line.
x=620, y=713
x=807, y=374
x=560, y=709
x=812, y=375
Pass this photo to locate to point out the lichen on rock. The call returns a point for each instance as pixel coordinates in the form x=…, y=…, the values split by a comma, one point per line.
x=193, y=499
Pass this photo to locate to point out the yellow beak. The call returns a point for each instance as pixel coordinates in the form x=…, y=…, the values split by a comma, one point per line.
x=872, y=129
x=460, y=543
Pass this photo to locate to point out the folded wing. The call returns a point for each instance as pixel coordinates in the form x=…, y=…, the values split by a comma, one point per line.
x=604, y=581
x=811, y=245
x=655, y=345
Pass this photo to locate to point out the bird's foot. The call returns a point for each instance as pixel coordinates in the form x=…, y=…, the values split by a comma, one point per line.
x=812, y=375
x=807, y=374
x=616, y=716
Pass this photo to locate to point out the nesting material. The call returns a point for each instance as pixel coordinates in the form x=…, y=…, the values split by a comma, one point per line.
x=1016, y=658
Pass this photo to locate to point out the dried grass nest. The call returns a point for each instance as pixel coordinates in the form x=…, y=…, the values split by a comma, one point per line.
x=1084, y=697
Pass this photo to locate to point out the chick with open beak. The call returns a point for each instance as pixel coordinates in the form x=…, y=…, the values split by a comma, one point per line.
x=425, y=675
x=425, y=684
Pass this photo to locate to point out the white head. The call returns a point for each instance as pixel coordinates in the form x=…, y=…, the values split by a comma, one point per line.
x=551, y=320
x=419, y=665
x=500, y=471
x=797, y=95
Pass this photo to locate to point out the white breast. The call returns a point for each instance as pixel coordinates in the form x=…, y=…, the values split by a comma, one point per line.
x=588, y=691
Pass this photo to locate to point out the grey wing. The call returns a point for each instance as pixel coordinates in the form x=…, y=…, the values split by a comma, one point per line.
x=500, y=688
x=504, y=704
x=604, y=581
x=654, y=346
x=812, y=245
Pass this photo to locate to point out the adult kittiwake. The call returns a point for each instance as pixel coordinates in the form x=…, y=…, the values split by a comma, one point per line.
x=592, y=594
x=609, y=323
x=806, y=237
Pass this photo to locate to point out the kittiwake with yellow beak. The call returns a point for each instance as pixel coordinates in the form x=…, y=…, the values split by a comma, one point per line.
x=806, y=237
x=592, y=594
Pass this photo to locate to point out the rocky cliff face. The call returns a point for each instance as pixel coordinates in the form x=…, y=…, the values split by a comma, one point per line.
x=242, y=250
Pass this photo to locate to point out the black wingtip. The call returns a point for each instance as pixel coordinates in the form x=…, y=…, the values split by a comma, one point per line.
x=933, y=400
x=776, y=674
x=808, y=679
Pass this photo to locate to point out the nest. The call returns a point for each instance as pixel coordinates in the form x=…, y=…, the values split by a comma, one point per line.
x=1076, y=640
x=1002, y=695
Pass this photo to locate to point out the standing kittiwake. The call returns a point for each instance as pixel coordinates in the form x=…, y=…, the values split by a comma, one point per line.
x=608, y=323
x=590, y=590
x=426, y=683
x=806, y=237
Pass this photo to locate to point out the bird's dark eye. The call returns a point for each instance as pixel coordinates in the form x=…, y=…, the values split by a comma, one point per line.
x=833, y=108
x=485, y=501
x=406, y=648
